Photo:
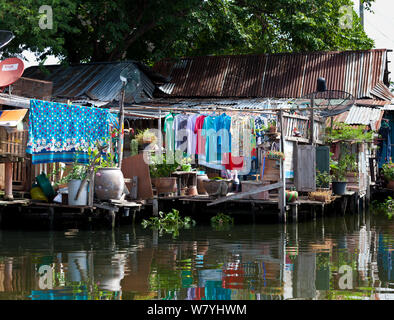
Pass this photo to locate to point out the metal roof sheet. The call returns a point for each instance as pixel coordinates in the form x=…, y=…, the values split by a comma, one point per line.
x=286, y=75
x=360, y=116
x=96, y=81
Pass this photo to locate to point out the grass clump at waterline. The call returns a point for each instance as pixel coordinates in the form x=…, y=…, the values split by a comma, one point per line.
x=221, y=221
x=170, y=222
x=386, y=207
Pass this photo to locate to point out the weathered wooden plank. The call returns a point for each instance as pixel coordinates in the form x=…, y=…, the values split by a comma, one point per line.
x=305, y=173
x=248, y=193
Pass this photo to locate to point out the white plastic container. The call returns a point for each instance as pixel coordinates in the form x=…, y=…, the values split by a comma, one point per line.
x=73, y=187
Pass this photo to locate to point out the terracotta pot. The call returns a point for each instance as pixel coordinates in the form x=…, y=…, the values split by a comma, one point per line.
x=390, y=184
x=200, y=185
x=217, y=187
x=272, y=130
x=192, y=191
x=109, y=184
x=165, y=184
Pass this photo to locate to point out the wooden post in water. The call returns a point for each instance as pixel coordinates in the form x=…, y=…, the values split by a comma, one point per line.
x=312, y=121
x=8, y=181
x=282, y=189
x=121, y=127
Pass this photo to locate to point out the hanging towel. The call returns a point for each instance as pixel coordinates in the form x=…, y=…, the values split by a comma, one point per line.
x=59, y=132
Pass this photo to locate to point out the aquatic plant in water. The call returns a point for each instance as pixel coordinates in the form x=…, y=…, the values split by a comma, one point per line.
x=386, y=207
x=221, y=220
x=170, y=222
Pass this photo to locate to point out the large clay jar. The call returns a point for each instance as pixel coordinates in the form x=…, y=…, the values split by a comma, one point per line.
x=200, y=185
x=109, y=184
x=165, y=184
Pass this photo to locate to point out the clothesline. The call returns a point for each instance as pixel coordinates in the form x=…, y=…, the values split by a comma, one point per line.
x=139, y=107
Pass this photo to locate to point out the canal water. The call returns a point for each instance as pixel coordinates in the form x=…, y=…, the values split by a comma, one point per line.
x=332, y=258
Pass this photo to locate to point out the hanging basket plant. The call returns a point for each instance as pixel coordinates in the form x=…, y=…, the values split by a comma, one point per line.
x=275, y=155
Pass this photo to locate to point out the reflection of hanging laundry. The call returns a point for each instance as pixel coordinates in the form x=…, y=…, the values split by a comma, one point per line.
x=60, y=132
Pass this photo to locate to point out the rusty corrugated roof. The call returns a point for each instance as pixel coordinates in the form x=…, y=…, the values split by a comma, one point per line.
x=97, y=81
x=286, y=75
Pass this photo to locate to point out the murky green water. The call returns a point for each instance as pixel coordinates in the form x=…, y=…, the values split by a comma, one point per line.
x=334, y=258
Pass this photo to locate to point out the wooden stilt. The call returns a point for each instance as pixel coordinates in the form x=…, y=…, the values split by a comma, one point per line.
x=113, y=217
x=294, y=212
x=155, y=207
x=8, y=181
x=51, y=216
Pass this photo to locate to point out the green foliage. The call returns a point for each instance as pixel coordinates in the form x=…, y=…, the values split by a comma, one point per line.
x=170, y=223
x=100, y=30
x=134, y=147
x=78, y=172
x=386, y=207
x=221, y=221
x=388, y=171
x=145, y=136
x=347, y=162
x=162, y=166
x=349, y=132
x=323, y=179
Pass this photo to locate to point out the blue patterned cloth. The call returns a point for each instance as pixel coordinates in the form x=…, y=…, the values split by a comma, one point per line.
x=59, y=132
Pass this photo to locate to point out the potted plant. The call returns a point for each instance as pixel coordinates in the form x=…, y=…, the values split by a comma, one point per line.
x=145, y=137
x=73, y=180
x=388, y=173
x=160, y=170
x=323, y=180
x=339, y=169
x=272, y=126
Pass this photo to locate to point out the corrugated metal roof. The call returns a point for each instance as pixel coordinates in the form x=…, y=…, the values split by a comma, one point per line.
x=360, y=116
x=287, y=75
x=96, y=81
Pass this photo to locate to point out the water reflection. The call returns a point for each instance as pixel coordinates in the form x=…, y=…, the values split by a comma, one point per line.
x=337, y=258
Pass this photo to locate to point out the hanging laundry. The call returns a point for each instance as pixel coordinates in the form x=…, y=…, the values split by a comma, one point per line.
x=384, y=147
x=191, y=135
x=169, y=132
x=200, y=143
x=180, y=125
x=61, y=133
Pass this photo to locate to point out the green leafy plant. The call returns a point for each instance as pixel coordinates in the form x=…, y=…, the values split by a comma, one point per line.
x=145, y=136
x=221, y=221
x=388, y=171
x=170, y=222
x=78, y=172
x=323, y=179
x=186, y=164
x=345, y=164
x=386, y=207
x=343, y=132
x=162, y=166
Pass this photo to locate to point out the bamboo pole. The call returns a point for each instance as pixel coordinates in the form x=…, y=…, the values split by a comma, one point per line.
x=121, y=127
x=282, y=189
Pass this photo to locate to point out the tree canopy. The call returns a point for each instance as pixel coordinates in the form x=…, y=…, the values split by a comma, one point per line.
x=149, y=30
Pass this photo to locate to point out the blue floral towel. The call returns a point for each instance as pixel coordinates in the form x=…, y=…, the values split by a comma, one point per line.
x=59, y=132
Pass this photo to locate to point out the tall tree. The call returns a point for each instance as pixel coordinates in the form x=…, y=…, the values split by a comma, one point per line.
x=148, y=30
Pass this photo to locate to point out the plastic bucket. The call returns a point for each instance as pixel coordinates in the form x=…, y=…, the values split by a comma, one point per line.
x=339, y=188
x=73, y=187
